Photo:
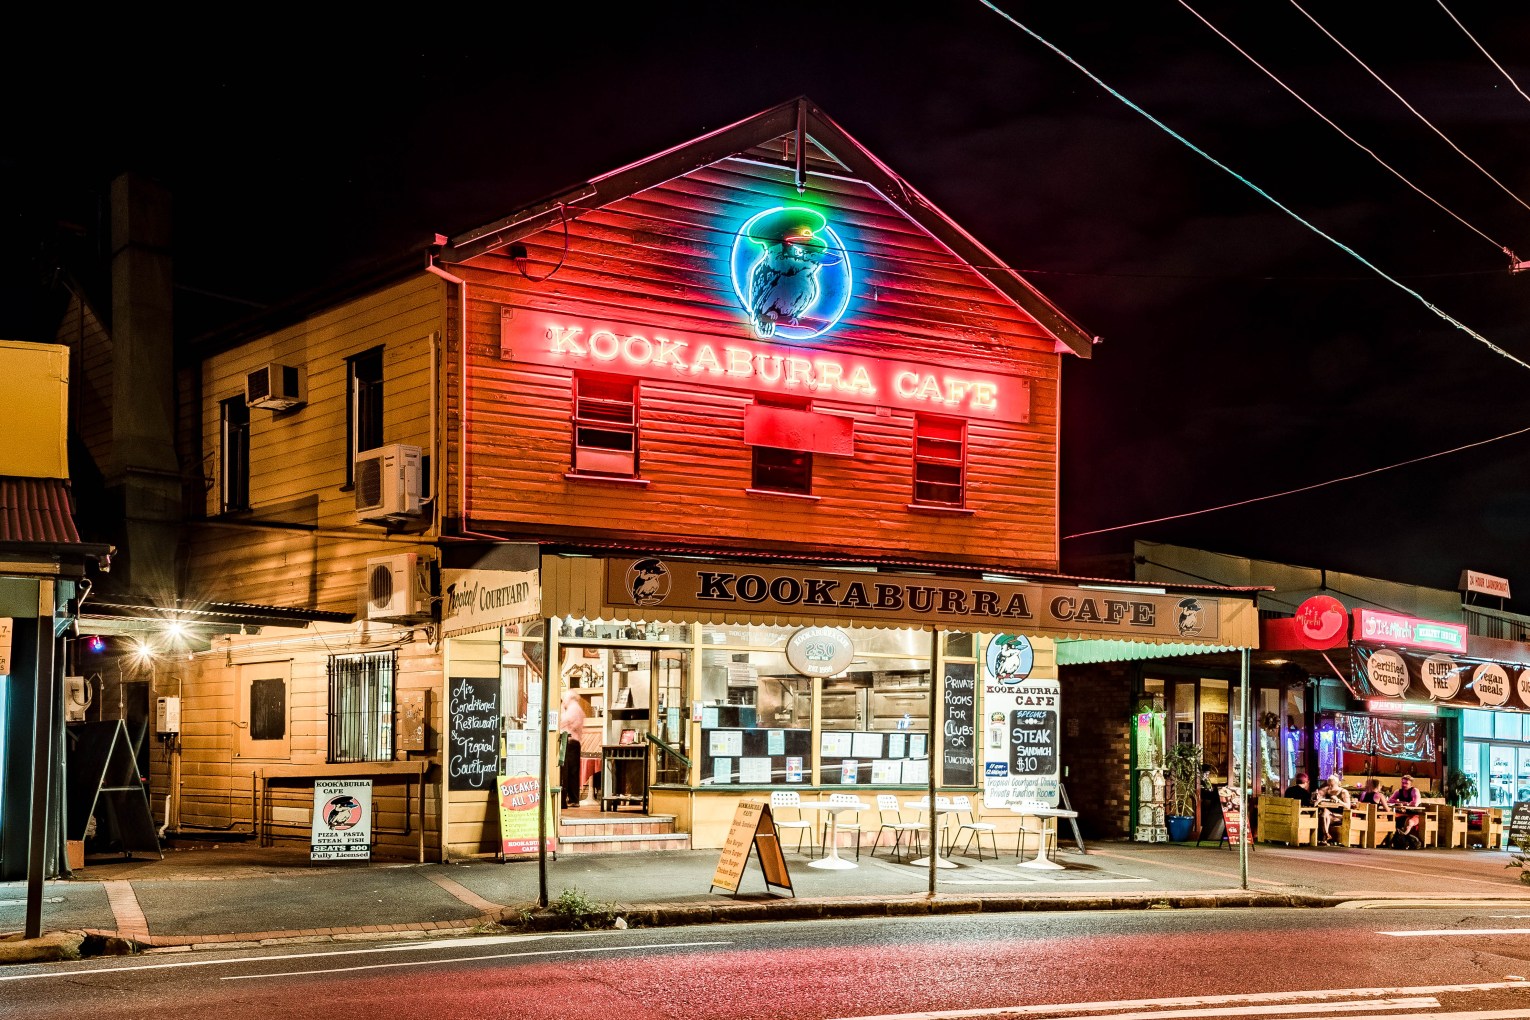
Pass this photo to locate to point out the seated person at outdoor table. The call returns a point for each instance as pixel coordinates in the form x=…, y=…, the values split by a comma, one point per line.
x=1406, y=800
x=1299, y=790
x=1372, y=793
x=1331, y=800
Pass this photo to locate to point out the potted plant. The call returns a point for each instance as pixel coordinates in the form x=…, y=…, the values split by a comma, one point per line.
x=1460, y=788
x=1183, y=765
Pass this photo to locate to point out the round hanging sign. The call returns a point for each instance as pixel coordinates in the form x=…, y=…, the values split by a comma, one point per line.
x=1320, y=621
x=1442, y=677
x=820, y=651
x=1524, y=687
x=1388, y=673
x=1491, y=684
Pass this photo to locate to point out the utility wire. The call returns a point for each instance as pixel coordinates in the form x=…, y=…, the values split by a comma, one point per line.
x=1262, y=193
x=1304, y=488
x=1409, y=105
x=1485, y=53
x=1363, y=148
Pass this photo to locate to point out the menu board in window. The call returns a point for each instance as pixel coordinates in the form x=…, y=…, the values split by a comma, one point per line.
x=856, y=757
x=959, y=752
x=753, y=755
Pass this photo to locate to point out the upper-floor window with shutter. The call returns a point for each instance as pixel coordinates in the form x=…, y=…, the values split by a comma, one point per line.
x=363, y=407
x=605, y=425
x=234, y=481
x=777, y=468
x=940, y=461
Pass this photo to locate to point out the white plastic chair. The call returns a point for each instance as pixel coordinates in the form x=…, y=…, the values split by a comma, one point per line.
x=965, y=814
x=1046, y=837
x=791, y=801
x=890, y=817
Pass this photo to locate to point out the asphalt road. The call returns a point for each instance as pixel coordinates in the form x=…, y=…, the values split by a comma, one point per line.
x=1465, y=963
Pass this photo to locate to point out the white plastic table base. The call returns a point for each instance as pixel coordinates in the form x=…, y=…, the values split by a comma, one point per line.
x=1049, y=817
x=832, y=861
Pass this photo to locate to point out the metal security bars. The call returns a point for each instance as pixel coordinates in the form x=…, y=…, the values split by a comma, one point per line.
x=361, y=706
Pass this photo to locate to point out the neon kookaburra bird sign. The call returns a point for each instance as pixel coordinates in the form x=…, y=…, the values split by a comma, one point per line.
x=791, y=273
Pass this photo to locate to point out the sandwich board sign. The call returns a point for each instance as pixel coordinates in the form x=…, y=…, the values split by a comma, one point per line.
x=342, y=821
x=753, y=828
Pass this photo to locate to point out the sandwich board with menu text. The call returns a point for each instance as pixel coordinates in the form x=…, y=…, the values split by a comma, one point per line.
x=753, y=828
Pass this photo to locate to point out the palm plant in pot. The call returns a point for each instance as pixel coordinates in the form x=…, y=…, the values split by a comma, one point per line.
x=1183, y=765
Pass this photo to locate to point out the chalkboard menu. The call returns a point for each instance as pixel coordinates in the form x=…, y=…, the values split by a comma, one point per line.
x=472, y=733
x=1519, y=825
x=959, y=753
x=1033, y=742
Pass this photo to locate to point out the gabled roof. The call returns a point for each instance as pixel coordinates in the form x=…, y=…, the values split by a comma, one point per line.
x=803, y=118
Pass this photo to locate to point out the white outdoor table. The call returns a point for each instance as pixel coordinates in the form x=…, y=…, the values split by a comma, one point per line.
x=832, y=861
x=940, y=862
x=1048, y=815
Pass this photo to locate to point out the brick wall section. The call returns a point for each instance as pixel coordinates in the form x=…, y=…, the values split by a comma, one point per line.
x=1096, y=749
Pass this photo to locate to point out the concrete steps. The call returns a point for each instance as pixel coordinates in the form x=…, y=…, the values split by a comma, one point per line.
x=620, y=833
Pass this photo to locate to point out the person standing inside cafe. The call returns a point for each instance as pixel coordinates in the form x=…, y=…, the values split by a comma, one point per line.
x=571, y=721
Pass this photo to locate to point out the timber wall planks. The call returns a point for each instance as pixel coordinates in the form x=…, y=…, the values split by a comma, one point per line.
x=660, y=258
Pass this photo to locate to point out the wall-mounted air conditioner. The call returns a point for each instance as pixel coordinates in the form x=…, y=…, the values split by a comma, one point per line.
x=388, y=483
x=276, y=387
x=397, y=587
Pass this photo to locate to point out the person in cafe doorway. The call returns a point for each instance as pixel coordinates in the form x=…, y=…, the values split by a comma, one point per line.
x=1406, y=801
x=571, y=721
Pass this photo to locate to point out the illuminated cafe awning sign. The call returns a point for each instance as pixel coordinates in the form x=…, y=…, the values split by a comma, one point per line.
x=1409, y=632
x=474, y=600
x=658, y=584
x=582, y=344
x=1459, y=681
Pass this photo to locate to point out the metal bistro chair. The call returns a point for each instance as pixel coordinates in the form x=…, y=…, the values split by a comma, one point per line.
x=782, y=801
x=942, y=819
x=890, y=817
x=849, y=821
x=966, y=816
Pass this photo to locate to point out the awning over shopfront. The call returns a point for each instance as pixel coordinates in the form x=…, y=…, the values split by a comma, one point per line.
x=675, y=590
x=109, y=614
x=37, y=529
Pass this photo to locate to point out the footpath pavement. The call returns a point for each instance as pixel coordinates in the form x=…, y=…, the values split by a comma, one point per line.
x=209, y=895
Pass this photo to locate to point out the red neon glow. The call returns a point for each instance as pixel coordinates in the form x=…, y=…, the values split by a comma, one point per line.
x=571, y=342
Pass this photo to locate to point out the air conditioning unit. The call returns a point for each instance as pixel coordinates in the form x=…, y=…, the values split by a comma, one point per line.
x=397, y=588
x=388, y=483
x=276, y=387
x=77, y=698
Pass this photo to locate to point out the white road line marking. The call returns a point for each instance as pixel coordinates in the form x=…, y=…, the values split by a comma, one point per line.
x=389, y=948
x=1288, y=1009
x=1038, y=881
x=1322, y=994
x=469, y=959
x=1455, y=931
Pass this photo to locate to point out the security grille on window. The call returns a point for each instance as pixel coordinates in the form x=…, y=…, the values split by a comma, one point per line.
x=773, y=469
x=940, y=461
x=361, y=706
x=605, y=426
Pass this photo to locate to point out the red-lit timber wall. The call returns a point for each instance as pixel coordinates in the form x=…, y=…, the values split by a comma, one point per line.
x=660, y=259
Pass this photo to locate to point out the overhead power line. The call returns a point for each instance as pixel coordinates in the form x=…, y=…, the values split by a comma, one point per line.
x=1427, y=123
x=1304, y=488
x=1261, y=192
x=1363, y=148
x=1479, y=46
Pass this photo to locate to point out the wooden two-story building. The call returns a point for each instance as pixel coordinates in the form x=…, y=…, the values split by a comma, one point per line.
x=746, y=444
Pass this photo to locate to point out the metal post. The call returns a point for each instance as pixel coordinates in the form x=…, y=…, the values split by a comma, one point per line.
x=544, y=800
x=1246, y=707
x=930, y=745
x=43, y=721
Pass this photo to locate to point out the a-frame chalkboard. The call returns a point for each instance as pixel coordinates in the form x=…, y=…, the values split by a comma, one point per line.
x=753, y=827
x=103, y=780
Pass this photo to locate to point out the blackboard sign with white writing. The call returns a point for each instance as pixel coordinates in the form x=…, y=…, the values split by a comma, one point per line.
x=1519, y=825
x=959, y=754
x=472, y=746
x=1033, y=742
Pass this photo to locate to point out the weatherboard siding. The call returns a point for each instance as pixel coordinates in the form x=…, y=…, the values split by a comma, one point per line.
x=659, y=259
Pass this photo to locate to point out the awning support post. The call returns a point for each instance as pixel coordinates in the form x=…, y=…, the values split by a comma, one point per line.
x=1245, y=710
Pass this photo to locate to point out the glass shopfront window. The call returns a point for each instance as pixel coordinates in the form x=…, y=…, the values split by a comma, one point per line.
x=1500, y=765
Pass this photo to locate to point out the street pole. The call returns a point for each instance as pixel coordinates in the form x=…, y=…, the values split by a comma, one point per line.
x=43, y=721
x=935, y=686
x=544, y=801
x=1246, y=707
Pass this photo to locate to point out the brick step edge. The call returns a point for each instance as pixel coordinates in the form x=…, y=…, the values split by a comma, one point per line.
x=629, y=829
x=626, y=844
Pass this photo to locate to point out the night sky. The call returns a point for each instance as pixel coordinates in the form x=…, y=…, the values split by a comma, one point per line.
x=1241, y=354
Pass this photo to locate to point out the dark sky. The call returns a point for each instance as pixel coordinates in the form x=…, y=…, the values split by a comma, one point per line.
x=1242, y=354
